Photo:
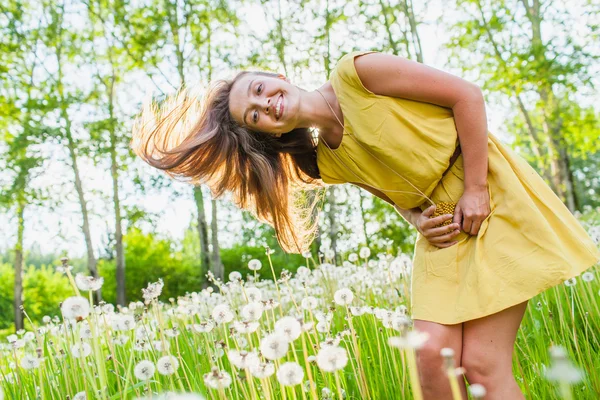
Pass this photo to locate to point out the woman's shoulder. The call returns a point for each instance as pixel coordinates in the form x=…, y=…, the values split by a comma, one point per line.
x=346, y=71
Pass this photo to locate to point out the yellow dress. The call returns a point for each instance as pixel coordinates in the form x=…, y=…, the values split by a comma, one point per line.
x=528, y=243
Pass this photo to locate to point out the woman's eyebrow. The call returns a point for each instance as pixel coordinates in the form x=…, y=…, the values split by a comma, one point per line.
x=248, y=94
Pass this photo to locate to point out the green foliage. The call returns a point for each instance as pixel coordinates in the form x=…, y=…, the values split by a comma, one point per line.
x=43, y=290
x=148, y=258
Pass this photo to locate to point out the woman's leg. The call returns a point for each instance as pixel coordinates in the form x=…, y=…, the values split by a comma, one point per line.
x=487, y=352
x=434, y=380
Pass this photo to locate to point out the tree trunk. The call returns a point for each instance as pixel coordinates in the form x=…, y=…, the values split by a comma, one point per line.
x=552, y=121
x=331, y=217
x=202, y=231
x=91, y=259
x=18, y=264
x=362, y=215
x=114, y=171
x=216, y=263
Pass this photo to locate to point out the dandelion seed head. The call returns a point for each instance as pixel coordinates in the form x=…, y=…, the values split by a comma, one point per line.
x=252, y=311
x=571, y=282
x=332, y=358
x=235, y=276
x=167, y=365
x=144, y=370
x=288, y=327
x=309, y=303
x=217, y=379
x=222, y=314
x=587, y=276
x=477, y=390
x=255, y=264
x=30, y=361
x=152, y=291
x=290, y=374
x=253, y=294
x=76, y=308
x=343, y=297
x=88, y=283
x=81, y=350
x=262, y=370
x=274, y=346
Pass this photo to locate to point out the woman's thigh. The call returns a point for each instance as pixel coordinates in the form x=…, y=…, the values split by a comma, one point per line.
x=488, y=342
x=440, y=336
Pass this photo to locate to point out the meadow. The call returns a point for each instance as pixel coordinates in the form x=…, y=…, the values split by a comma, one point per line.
x=324, y=332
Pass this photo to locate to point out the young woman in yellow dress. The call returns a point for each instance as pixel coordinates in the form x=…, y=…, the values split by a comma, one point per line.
x=414, y=136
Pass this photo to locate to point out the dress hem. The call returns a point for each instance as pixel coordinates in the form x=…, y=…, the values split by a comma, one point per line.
x=528, y=296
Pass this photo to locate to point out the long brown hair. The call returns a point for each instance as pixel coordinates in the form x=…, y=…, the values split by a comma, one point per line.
x=199, y=142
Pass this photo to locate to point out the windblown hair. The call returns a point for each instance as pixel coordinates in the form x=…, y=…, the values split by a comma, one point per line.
x=199, y=142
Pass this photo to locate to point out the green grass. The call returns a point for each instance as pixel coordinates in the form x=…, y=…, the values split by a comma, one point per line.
x=564, y=315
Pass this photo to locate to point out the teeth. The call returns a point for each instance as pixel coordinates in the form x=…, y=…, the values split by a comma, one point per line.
x=278, y=107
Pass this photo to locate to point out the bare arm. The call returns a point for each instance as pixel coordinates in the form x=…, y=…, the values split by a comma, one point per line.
x=416, y=81
x=409, y=215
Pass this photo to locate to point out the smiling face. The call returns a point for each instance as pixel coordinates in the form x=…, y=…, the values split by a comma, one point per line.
x=265, y=103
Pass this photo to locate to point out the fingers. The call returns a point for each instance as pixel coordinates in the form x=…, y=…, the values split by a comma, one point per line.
x=458, y=215
x=429, y=211
x=443, y=238
x=432, y=222
x=476, y=224
x=441, y=230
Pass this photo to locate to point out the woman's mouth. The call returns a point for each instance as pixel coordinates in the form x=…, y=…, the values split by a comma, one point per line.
x=279, y=108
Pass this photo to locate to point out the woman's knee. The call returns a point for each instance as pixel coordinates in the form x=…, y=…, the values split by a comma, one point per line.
x=429, y=358
x=482, y=365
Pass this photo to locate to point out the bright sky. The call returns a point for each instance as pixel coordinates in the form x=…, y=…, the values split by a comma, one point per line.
x=60, y=228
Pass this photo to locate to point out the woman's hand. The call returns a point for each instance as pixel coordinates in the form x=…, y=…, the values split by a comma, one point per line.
x=472, y=208
x=441, y=236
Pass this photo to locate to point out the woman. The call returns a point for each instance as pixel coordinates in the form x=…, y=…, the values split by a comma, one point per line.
x=414, y=136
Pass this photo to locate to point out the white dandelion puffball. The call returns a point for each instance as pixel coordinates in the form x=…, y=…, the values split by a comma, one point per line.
x=152, y=291
x=75, y=307
x=353, y=257
x=222, y=314
x=144, y=370
x=332, y=358
x=252, y=311
x=217, y=379
x=235, y=276
x=343, y=297
x=243, y=359
x=587, y=276
x=290, y=374
x=88, y=282
x=477, y=390
x=262, y=370
x=274, y=346
x=253, y=294
x=571, y=282
x=288, y=327
x=254, y=264
x=245, y=326
x=30, y=361
x=412, y=339
x=364, y=252
x=80, y=396
x=167, y=365
x=80, y=350
x=309, y=303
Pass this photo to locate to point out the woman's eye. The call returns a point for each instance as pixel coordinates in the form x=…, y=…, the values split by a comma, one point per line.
x=259, y=88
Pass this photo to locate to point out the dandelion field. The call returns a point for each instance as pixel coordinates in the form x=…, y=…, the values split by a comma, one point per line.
x=325, y=332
